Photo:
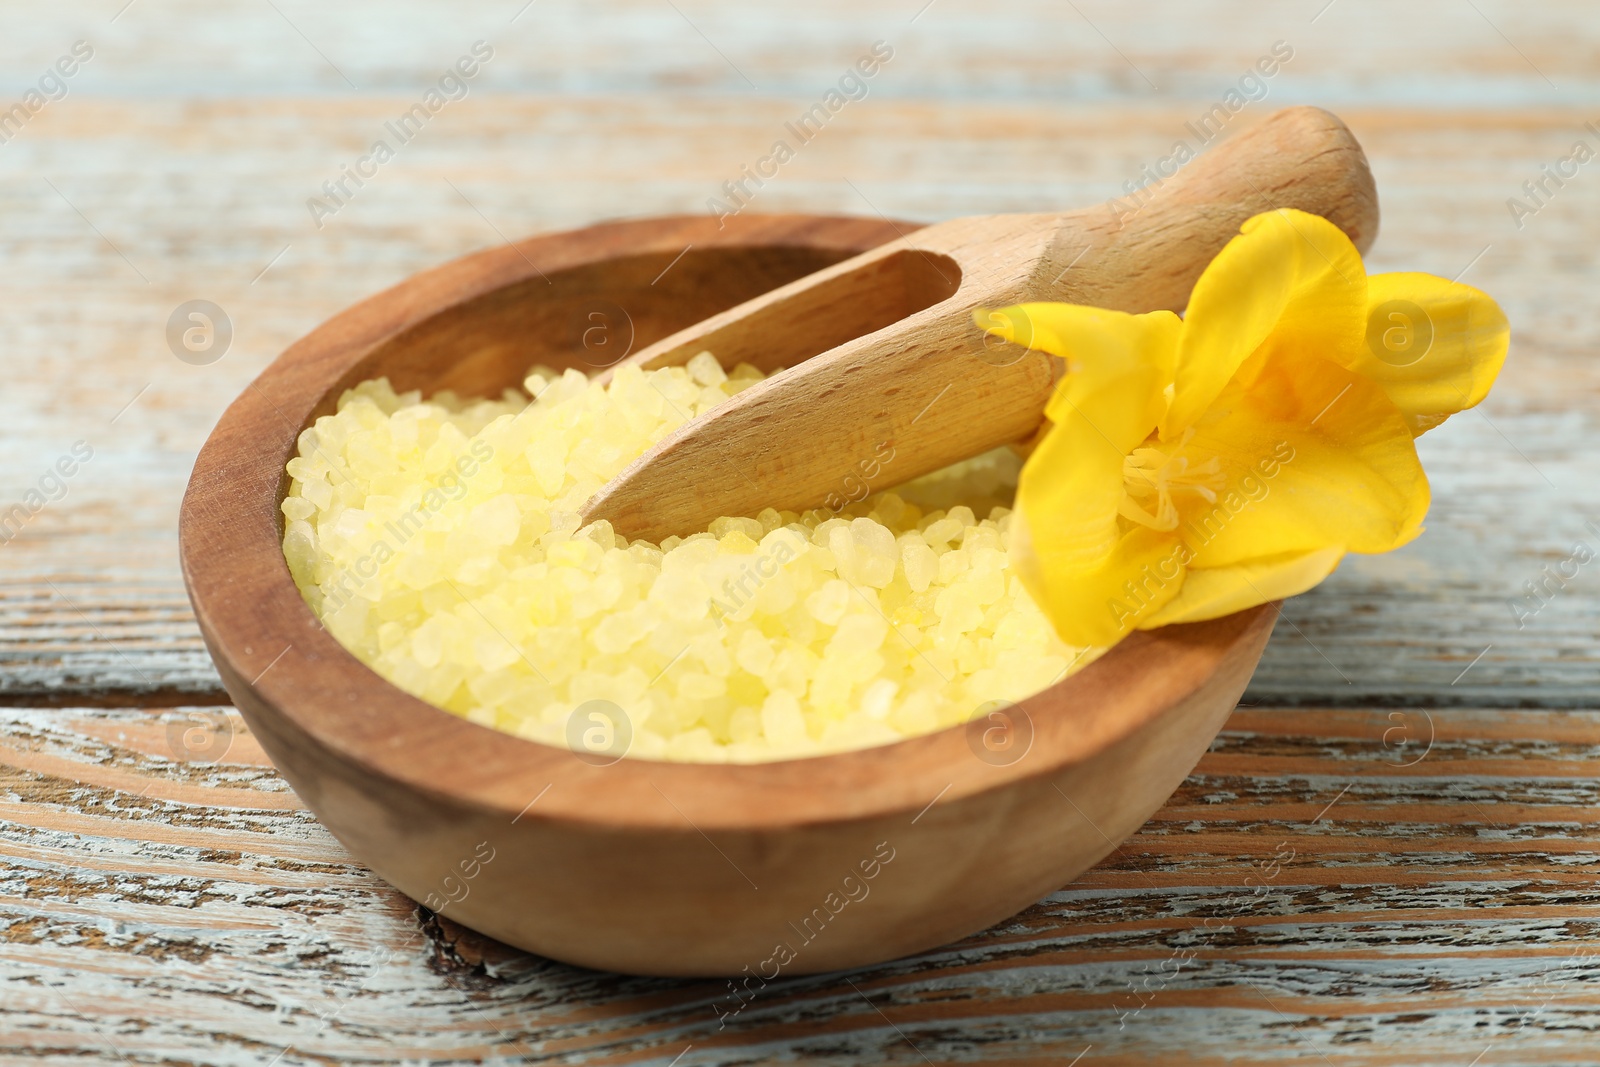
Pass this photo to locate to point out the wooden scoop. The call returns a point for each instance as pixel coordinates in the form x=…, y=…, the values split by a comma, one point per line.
x=888, y=377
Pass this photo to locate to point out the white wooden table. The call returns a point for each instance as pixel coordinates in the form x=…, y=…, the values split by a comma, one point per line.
x=1390, y=855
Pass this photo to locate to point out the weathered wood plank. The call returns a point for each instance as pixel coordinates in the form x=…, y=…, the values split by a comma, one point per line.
x=1096, y=50
x=1315, y=889
x=91, y=597
x=163, y=898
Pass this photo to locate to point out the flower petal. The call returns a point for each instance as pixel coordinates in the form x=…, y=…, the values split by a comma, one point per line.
x=1434, y=345
x=1100, y=346
x=1312, y=456
x=1289, y=276
x=1071, y=486
x=1212, y=592
x=1094, y=601
x=1102, y=410
x=1068, y=547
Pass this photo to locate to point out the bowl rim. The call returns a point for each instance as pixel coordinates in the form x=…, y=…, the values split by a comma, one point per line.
x=277, y=660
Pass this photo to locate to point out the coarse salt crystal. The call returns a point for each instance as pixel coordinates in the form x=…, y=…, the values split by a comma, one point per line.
x=439, y=540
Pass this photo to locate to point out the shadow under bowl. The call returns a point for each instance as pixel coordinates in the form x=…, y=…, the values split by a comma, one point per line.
x=640, y=866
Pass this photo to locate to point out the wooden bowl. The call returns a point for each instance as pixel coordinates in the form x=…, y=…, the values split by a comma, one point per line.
x=642, y=866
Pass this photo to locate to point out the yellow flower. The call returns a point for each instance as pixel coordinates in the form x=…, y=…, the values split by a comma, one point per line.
x=1195, y=467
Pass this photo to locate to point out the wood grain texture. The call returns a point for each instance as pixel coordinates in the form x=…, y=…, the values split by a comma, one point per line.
x=1094, y=51
x=1508, y=478
x=612, y=869
x=872, y=345
x=192, y=925
x=1352, y=884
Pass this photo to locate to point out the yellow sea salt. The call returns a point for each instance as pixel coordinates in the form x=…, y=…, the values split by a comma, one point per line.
x=439, y=541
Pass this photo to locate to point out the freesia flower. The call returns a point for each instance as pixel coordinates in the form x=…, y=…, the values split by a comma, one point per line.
x=1193, y=467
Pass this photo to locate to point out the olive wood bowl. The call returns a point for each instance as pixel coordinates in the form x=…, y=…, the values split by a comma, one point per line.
x=641, y=866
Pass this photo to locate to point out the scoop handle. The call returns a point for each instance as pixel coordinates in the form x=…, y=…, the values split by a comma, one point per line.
x=884, y=358
x=1146, y=248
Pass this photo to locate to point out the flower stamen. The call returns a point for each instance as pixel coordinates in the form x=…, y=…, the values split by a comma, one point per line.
x=1152, y=475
